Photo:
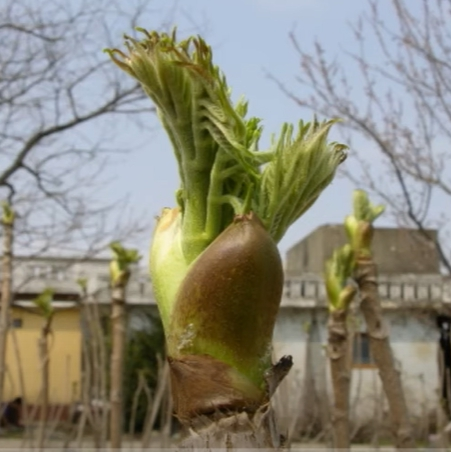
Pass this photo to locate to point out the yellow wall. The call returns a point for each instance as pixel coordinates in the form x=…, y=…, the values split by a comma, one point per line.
x=65, y=357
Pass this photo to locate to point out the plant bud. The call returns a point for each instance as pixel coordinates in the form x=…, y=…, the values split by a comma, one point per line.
x=227, y=304
x=168, y=266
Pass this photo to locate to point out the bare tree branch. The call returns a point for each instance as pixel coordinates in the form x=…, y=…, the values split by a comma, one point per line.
x=399, y=104
x=61, y=109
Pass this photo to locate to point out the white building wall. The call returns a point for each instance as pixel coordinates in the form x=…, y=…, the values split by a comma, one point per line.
x=414, y=340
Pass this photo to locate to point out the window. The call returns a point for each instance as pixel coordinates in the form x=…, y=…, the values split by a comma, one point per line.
x=361, y=355
x=53, y=272
x=16, y=323
x=142, y=288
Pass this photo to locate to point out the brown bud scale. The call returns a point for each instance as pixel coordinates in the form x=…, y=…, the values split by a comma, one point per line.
x=227, y=304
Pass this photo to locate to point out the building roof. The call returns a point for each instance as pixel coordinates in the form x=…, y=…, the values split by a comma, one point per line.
x=396, y=250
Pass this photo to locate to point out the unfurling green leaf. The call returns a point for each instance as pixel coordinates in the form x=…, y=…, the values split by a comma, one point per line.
x=359, y=225
x=120, y=263
x=222, y=171
x=363, y=209
x=301, y=168
x=208, y=134
x=337, y=274
x=44, y=303
x=9, y=215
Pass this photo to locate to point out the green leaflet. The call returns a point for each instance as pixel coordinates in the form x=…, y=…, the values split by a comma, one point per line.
x=302, y=166
x=364, y=210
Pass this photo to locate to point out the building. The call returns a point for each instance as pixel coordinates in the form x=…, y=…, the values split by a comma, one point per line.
x=412, y=292
x=31, y=275
x=411, y=287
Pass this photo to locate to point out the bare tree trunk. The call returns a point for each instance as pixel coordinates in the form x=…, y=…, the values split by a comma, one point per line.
x=366, y=277
x=118, y=325
x=7, y=275
x=56, y=419
x=99, y=416
x=44, y=359
x=338, y=351
x=102, y=365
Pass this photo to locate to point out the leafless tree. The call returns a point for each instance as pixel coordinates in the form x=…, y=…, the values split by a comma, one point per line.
x=61, y=112
x=61, y=108
x=394, y=92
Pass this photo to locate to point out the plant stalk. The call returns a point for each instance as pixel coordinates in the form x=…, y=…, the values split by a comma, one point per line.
x=118, y=325
x=367, y=280
x=6, y=296
x=45, y=365
x=338, y=350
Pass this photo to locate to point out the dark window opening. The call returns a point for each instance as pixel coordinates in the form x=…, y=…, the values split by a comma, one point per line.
x=361, y=355
x=16, y=323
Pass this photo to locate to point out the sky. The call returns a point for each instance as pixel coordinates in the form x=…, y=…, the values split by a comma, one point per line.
x=250, y=39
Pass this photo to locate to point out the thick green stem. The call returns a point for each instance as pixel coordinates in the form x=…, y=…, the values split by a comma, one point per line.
x=194, y=239
x=120, y=275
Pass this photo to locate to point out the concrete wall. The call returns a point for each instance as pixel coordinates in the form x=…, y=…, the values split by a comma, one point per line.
x=397, y=289
x=414, y=340
x=395, y=251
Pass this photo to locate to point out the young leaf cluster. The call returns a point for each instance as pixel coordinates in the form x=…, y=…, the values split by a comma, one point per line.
x=358, y=226
x=44, y=303
x=222, y=170
x=339, y=268
x=120, y=264
x=8, y=215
